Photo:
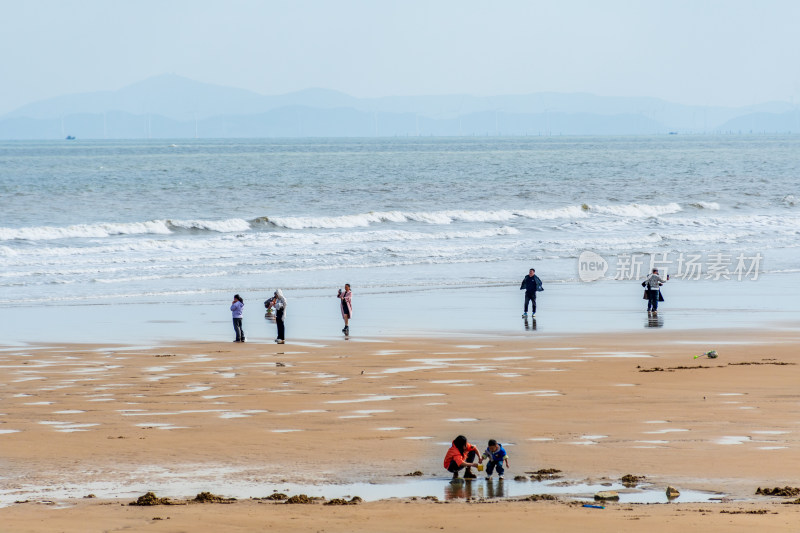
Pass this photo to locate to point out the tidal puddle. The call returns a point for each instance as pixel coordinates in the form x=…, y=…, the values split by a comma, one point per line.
x=176, y=486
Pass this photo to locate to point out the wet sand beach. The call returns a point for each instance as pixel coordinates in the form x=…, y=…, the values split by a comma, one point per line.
x=330, y=417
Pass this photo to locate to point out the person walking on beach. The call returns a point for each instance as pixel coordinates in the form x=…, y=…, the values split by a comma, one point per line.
x=496, y=454
x=280, y=315
x=346, y=298
x=236, y=310
x=462, y=454
x=531, y=284
x=651, y=285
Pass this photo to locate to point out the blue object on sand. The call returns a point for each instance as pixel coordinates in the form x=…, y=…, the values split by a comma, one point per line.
x=593, y=506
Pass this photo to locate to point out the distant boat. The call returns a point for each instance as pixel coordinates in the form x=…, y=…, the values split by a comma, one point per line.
x=70, y=137
x=673, y=133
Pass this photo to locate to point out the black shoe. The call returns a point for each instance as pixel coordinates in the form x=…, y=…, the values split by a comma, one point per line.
x=469, y=475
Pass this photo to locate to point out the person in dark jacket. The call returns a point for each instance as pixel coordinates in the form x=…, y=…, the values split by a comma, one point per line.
x=346, y=297
x=280, y=315
x=531, y=284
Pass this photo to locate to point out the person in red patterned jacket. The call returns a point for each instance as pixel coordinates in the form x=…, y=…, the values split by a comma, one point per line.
x=462, y=454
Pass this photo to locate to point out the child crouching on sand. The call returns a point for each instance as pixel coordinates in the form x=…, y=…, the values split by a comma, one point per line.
x=462, y=454
x=496, y=454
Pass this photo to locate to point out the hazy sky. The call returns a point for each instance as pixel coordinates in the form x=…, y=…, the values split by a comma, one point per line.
x=731, y=52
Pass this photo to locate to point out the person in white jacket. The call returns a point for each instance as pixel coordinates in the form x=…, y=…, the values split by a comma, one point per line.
x=236, y=311
x=280, y=315
x=652, y=284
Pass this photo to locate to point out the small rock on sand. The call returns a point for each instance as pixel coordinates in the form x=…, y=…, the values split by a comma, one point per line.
x=629, y=480
x=672, y=492
x=607, y=495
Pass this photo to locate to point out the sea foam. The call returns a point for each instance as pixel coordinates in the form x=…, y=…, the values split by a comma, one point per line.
x=451, y=216
x=108, y=229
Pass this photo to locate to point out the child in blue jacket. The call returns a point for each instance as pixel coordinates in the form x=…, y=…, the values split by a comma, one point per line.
x=496, y=455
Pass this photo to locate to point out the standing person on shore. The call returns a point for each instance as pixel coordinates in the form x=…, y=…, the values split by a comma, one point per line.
x=462, y=454
x=280, y=315
x=651, y=285
x=346, y=298
x=531, y=284
x=236, y=310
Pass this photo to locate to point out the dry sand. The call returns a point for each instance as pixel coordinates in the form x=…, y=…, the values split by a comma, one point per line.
x=250, y=418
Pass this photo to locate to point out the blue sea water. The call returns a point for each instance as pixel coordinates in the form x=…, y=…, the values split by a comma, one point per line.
x=187, y=223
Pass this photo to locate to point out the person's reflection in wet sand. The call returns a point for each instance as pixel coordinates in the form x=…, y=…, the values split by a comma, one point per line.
x=654, y=321
x=530, y=326
x=495, y=491
x=460, y=489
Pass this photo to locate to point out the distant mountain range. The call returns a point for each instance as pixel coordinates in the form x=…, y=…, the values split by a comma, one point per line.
x=170, y=106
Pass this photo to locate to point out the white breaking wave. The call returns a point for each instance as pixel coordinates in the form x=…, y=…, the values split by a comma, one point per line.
x=229, y=243
x=366, y=219
x=771, y=222
x=107, y=229
x=221, y=226
x=233, y=225
x=42, y=233
x=637, y=210
x=450, y=216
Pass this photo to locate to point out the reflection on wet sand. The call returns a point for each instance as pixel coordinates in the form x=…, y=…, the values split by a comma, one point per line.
x=654, y=321
x=468, y=489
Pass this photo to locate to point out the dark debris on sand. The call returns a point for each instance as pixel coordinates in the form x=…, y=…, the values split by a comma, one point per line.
x=299, y=498
x=538, y=498
x=415, y=473
x=765, y=362
x=355, y=500
x=207, y=497
x=629, y=480
x=545, y=474
x=276, y=496
x=672, y=368
x=778, y=491
x=150, y=498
